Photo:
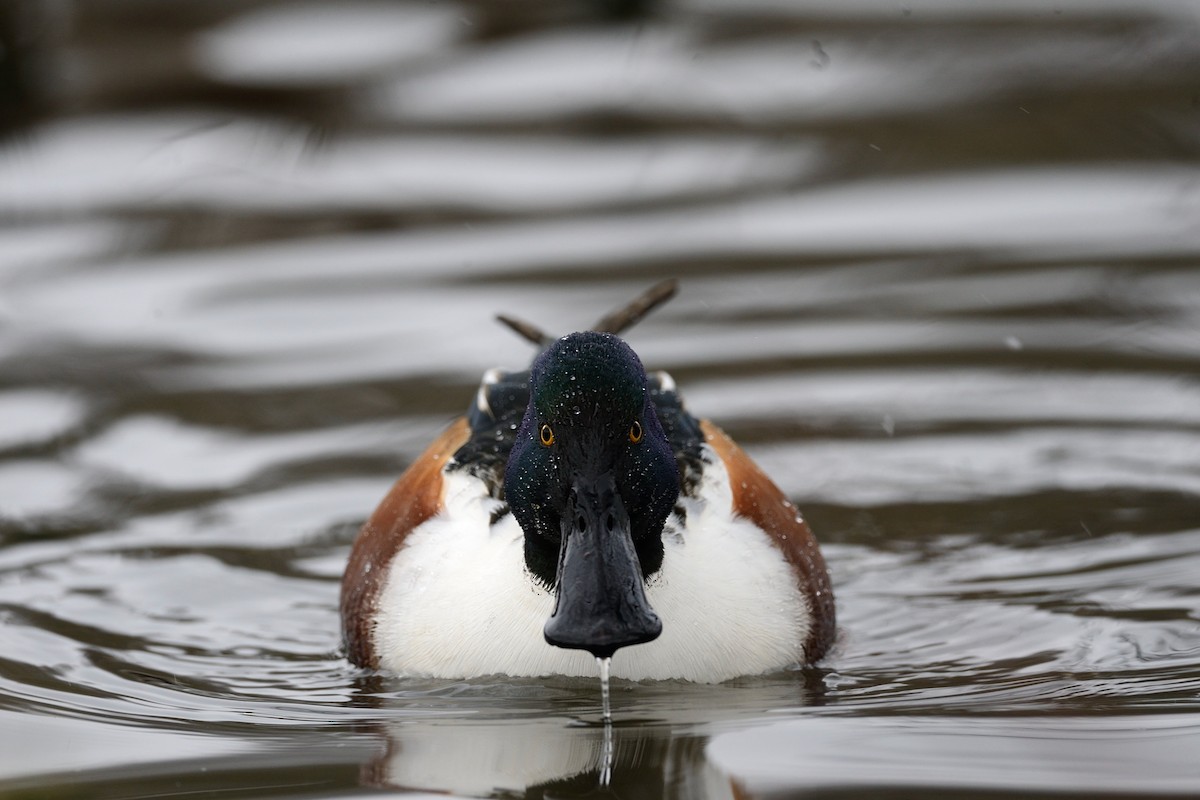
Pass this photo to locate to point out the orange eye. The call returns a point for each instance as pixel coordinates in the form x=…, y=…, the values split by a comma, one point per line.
x=636, y=432
x=546, y=435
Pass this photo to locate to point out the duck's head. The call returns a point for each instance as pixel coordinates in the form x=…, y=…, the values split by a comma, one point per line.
x=591, y=480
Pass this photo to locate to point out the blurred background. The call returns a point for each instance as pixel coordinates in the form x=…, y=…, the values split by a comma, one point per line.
x=939, y=276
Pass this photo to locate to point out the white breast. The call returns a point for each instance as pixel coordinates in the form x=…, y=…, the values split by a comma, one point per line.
x=460, y=603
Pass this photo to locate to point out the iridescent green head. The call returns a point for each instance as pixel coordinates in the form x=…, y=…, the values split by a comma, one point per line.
x=591, y=480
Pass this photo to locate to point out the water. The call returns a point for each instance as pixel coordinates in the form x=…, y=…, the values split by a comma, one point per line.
x=939, y=277
x=606, y=752
x=605, y=665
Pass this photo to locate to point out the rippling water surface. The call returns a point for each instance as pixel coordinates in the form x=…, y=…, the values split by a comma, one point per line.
x=939, y=268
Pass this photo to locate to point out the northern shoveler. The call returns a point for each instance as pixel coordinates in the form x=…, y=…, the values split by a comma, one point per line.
x=579, y=508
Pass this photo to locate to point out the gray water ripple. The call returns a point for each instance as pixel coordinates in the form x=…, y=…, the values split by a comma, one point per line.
x=938, y=278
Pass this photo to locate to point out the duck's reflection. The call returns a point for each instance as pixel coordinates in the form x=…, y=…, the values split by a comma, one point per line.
x=537, y=758
x=533, y=741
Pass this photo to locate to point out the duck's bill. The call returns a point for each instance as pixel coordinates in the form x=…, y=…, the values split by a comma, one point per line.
x=601, y=605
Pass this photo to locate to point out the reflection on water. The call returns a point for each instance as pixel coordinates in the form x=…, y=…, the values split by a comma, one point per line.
x=963, y=754
x=548, y=737
x=939, y=277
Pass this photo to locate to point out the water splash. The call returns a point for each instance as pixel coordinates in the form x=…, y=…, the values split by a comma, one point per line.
x=606, y=755
x=606, y=752
x=605, y=665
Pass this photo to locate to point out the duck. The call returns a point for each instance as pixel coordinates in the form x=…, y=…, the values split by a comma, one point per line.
x=578, y=511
